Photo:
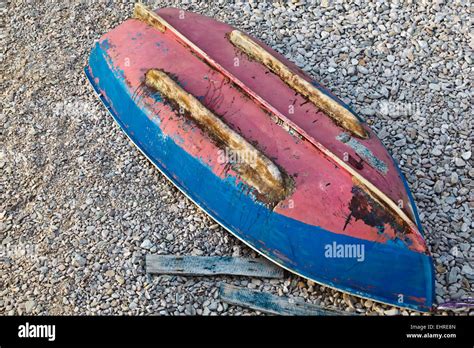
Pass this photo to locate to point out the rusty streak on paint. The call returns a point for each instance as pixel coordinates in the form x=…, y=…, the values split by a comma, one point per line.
x=363, y=152
x=339, y=114
x=373, y=213
x=254, y=167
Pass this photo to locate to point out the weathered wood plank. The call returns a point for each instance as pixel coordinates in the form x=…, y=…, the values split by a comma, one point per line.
x=272, y=304
x=212, y=265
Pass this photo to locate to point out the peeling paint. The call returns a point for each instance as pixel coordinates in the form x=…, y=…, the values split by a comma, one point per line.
x=363, y=152
x=363, y=207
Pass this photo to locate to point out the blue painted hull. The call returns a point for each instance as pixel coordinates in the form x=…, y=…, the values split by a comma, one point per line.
x=388, y=273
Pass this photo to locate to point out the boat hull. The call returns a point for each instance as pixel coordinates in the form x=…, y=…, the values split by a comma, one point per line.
x=384, y=272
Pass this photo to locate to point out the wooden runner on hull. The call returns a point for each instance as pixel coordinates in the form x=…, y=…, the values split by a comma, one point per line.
x=336, y=111
x=151, y=18
x=255, y=168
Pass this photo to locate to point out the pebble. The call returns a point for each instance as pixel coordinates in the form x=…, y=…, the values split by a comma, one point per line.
x=454, y=178
x=392, y=312
x=466, y=269
x=400, y=142
x=110, y=273
x=146, y=244
x=79, y=261
x=466, y=155
x=453, y=275
x=29, y=305
x=362, y=69
x=438, y=187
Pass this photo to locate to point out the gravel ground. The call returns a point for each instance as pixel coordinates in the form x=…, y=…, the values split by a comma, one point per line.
x=80, y=207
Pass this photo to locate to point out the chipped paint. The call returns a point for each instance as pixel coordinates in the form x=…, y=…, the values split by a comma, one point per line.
x=363, y=207
x=292, y=128
x=363, y=152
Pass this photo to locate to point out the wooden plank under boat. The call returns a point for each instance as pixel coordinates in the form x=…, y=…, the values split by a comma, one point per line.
x=267, y=152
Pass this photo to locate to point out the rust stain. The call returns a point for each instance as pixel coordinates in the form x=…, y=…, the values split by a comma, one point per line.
x=420, y=300
x=374, y=213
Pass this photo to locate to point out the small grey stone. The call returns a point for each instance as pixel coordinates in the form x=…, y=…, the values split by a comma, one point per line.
x=197, y=252
x=7, y=240
x=392, y=312
x=29, y=305
x=450, y=200
x=213, y=305
x=146, y=244
x=400, y=142
x=454, y=178
x=453, y=275
x=466, y=155
x=173, y=209
x=383, y=134
x=367, y=111
x=79, y=261
x=110, y=273
x=466, y=269
x=351, y=70
x=362, y=69
x=438, y=187
x=459, y=162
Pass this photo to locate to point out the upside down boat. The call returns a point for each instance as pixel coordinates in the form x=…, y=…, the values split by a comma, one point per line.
x=270, y=154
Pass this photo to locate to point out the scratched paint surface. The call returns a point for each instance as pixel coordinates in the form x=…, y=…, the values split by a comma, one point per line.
x=303, y=113
x=321, y=186
x=320, y=210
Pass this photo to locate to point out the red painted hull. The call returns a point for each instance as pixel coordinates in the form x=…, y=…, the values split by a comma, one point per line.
x=321, y=187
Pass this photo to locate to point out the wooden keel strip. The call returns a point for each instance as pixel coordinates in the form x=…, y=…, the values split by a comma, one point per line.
x=271, y=304
x=151, y=18
x=212, y=265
